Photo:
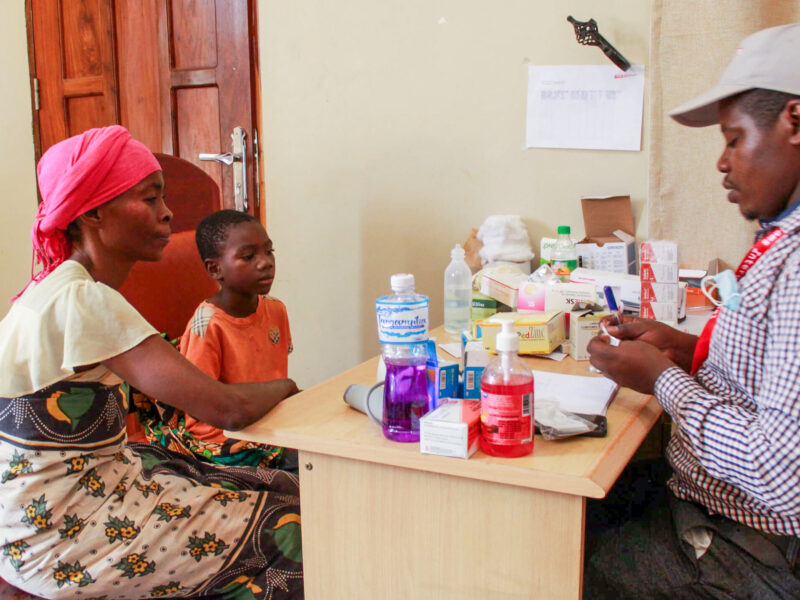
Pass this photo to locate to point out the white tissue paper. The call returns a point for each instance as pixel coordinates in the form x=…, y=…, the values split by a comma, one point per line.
x=504, y=239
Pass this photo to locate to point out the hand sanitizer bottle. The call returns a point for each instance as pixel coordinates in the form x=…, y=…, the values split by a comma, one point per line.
x=507, y=400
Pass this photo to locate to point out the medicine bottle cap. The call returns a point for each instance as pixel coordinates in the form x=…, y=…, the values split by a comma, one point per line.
x=402, y=282
x=563, y=229
x=457, y=252
x=507, y=340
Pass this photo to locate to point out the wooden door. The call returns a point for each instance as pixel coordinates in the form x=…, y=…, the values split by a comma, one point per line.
x=179, y=74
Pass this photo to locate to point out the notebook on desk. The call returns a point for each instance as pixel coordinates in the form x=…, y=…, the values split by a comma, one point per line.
x=585, y=396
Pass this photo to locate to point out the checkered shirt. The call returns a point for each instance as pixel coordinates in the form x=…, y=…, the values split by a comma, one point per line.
x=737, y=445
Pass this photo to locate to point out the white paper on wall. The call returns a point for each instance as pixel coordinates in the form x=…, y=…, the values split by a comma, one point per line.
x=585, y=107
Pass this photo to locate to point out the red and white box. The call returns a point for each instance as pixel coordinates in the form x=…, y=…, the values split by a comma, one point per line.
x=660, y=292
x=659, y=272
x=452, y=429
x=666, y=312
x=659, y=251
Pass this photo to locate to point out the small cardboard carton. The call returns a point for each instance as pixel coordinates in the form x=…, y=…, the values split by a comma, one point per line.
x=442, y=376
x=659, y=251
x=452, y=429
x=502, y=284
x=584, y=324
x=538, y=296
x=627, y=288
x=482, y=307
x=539, y=332
x=660, y=292
x=660, y=272
x=609, y=242
x=666, y=312
x=475, y=358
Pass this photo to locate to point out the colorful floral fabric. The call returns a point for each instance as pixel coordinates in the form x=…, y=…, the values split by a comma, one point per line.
x=84, y=515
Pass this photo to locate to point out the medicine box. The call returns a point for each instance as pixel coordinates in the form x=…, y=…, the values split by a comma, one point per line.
x=442, y=381
x=539, y=332
x=482, y=307
x=475, y=358
x=563, y=296
x=626, y=288
x=659, y=251
x=666, y=312
x=660, y=272
x=660, y=292
x=452, y=429
x=546, y=245
x=609, y=244
x=583, y=326
x=503, y=285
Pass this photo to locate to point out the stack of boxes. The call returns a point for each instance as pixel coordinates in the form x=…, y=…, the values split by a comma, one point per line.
x=658, y=272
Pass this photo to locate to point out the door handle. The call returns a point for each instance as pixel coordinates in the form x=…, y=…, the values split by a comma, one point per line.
x=237, y=159
x=226, y=158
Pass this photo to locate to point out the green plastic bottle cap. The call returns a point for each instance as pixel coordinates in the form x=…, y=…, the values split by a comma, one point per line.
x=563, y=229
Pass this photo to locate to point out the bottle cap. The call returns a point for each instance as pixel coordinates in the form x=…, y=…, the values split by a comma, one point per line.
x=457, y=252
x=402, y=282
x=563, y=229
x=507, y=340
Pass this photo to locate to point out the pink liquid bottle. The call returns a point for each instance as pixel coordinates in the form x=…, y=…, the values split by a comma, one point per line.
x=403, y=333
x=507, y=400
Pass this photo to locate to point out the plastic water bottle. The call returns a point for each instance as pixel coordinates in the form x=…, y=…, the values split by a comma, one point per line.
x=403, y=333
x=457, y=292
x=564, y=257
x=507, y=400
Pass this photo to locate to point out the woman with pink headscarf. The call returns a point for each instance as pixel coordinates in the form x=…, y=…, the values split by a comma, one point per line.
x=83, y=513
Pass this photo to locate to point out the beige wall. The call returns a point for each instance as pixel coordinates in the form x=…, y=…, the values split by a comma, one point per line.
x=392, y=128
x=16, y=154
x=687, y=201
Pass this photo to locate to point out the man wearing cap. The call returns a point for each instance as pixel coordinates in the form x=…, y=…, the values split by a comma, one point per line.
x=727, y=523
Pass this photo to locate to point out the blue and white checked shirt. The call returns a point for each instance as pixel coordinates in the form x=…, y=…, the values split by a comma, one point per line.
x=737, y=445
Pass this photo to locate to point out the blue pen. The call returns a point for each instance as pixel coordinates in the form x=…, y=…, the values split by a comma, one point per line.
x=612, y=303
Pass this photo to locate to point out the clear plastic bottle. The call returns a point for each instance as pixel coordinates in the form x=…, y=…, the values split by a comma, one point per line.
x=457, y=292
x=403, y=333
x=507, y=400
x=564, y=257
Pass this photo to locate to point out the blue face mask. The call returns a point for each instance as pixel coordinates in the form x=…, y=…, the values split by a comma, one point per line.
x=727, y=288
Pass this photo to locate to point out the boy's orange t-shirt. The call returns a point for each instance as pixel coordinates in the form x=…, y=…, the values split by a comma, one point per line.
x=237, y=350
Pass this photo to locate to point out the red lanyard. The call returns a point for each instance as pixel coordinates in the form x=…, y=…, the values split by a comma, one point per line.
x=757, y=251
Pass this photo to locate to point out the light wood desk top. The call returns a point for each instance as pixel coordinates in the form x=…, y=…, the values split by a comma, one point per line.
x=318, y=420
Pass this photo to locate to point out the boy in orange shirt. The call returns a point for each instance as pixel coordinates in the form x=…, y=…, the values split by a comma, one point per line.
x=240, y=334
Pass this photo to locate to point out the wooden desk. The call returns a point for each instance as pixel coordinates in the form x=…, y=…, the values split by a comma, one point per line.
x=382, y=521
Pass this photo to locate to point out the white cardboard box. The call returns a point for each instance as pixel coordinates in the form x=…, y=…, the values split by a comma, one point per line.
x=452, y=429
x=609, y=244
x=583, y=326
x=627, y=288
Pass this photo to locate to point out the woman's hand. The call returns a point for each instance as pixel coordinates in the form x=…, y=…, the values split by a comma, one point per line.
x=676, y=345
x=157, y=370
x=632, y=364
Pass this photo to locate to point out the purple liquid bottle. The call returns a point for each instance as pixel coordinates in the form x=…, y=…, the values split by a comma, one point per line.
x=403, y=332
x=405, y=398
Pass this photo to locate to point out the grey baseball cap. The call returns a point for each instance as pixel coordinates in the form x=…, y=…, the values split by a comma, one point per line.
x=768, y=59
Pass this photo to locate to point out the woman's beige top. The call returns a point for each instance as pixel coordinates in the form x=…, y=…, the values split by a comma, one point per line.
x=67, y=320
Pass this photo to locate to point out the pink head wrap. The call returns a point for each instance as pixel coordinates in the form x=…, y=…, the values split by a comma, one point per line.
x=77, y=175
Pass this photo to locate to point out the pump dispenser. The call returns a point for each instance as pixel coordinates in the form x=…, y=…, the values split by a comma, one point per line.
x=507, y=400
